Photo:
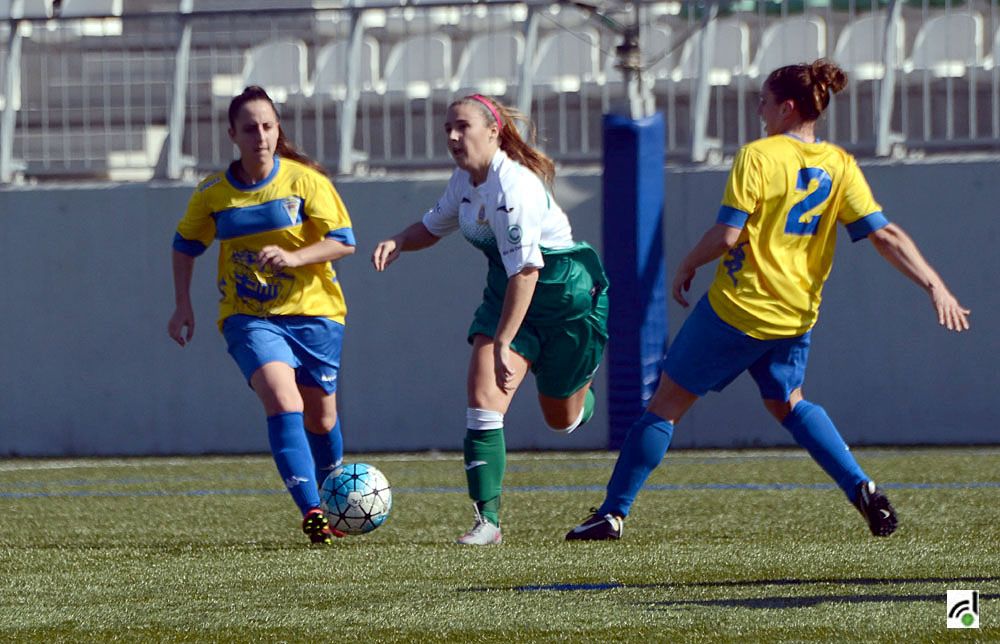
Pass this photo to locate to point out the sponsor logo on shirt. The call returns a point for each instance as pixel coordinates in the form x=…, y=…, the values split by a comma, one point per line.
x=514, y=233
x=735, y=262
x=259, y=289
x=209, y=183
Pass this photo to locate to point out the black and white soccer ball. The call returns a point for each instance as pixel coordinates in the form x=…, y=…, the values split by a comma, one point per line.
x=356, y=498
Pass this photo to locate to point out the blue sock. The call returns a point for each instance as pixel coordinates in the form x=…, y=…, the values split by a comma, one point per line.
x=286, y=434
x=812, y=429
x=327, y=451
x=645, y=445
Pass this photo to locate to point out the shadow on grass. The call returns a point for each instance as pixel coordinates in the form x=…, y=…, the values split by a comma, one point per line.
x=770, y=603
x=804, y=601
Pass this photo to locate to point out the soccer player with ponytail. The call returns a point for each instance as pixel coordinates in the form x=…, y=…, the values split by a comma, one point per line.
x=280, y=223
x=775, y=235
x=545, y=304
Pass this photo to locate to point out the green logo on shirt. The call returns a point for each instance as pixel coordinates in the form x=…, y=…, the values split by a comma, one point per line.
x=514, y=233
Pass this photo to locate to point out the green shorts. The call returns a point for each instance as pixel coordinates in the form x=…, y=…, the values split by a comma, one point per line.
x=564, y=351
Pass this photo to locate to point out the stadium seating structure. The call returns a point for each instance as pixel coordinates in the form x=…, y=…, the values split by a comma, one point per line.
x=93, y=86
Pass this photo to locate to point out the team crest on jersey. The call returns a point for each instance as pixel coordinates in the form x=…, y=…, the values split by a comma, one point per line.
x=259, y=290
x=513, y=233
x=291, y=206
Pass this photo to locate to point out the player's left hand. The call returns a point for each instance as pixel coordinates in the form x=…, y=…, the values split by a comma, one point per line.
x=277, y=257
x=503, y=367
x=951, y=314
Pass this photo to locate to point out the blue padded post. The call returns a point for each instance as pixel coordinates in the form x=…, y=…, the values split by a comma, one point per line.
x=633, y=258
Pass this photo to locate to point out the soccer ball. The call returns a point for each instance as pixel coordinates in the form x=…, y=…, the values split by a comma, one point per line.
x=356, y=498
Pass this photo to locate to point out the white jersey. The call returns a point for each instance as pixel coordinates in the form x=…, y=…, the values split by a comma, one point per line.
x=511, y=213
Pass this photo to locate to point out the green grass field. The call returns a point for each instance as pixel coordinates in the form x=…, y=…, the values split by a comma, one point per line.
x=723, y=547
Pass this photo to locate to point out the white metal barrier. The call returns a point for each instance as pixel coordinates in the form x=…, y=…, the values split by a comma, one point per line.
x=362, y=86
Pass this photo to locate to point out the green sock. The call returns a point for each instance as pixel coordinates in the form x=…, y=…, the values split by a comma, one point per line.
x=588, y=407
x=485, y=462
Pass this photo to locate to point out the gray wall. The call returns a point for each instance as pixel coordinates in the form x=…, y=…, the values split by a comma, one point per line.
x=88, y=368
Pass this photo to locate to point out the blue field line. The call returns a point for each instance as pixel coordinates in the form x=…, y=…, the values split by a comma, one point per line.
x=136, y=493
x=687, y=487
x=131, y=481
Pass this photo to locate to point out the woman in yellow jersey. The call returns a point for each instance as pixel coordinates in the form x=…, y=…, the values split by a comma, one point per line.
x=775, y=235
x=280, y=224
x=545, y=304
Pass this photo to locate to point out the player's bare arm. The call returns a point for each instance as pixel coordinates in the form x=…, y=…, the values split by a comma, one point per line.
x=901, y=251
x=414, y=237
x=717, y=240
x=181, y=324
x=326, y=250
x=520, y=289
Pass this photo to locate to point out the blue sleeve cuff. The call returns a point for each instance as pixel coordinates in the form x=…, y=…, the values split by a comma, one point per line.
x=868, y=224
x=343, y=235
x=190, y=247
x=732, y=217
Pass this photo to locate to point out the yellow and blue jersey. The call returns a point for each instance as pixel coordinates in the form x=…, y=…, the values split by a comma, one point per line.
x=787, y=196
x=295, y=206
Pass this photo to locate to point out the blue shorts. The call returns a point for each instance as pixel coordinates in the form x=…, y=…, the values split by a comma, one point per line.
x=708, y=354
x=310, y=345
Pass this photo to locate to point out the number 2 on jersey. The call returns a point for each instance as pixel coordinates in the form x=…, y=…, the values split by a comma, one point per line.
x=793, y=225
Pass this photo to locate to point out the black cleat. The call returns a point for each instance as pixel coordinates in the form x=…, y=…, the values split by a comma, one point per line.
x=876, y=509
x=597, y=528
x=317, y=526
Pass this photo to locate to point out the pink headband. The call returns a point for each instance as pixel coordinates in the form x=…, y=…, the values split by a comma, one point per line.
x=489, y=105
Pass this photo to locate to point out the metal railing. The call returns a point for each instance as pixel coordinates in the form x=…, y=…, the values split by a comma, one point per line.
x=363, y=87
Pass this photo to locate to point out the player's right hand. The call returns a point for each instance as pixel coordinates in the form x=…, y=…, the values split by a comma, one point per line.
x=180, y=328
x=385, y=253
x=682, y=284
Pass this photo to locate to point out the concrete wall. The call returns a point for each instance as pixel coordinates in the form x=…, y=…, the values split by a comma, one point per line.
x=88, y=368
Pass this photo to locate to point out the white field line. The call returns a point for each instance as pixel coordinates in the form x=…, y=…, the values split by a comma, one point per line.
x=19, y=465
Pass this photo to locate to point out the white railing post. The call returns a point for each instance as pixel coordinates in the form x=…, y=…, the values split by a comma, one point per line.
x=178, y=103
x=526, y=76
x=699, y=130
x=11, y=90
x=352, y=95
x=887, y=86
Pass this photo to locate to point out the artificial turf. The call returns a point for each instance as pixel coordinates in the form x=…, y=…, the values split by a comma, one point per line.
x=721, y=547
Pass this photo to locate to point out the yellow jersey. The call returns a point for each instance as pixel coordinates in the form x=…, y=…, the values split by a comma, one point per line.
x=295, y=206
x=787, y=196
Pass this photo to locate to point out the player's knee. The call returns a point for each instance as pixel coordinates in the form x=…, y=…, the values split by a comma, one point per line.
x=563, y=421
x=780, y=409
x=320, y=423
x=281, y=402
x=483, y=419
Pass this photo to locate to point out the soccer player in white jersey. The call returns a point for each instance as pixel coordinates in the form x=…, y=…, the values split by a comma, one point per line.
x=775, y=234
x=280, y=223
x=545, y=304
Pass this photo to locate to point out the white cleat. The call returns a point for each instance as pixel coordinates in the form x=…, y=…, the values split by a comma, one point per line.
x=482, y=533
